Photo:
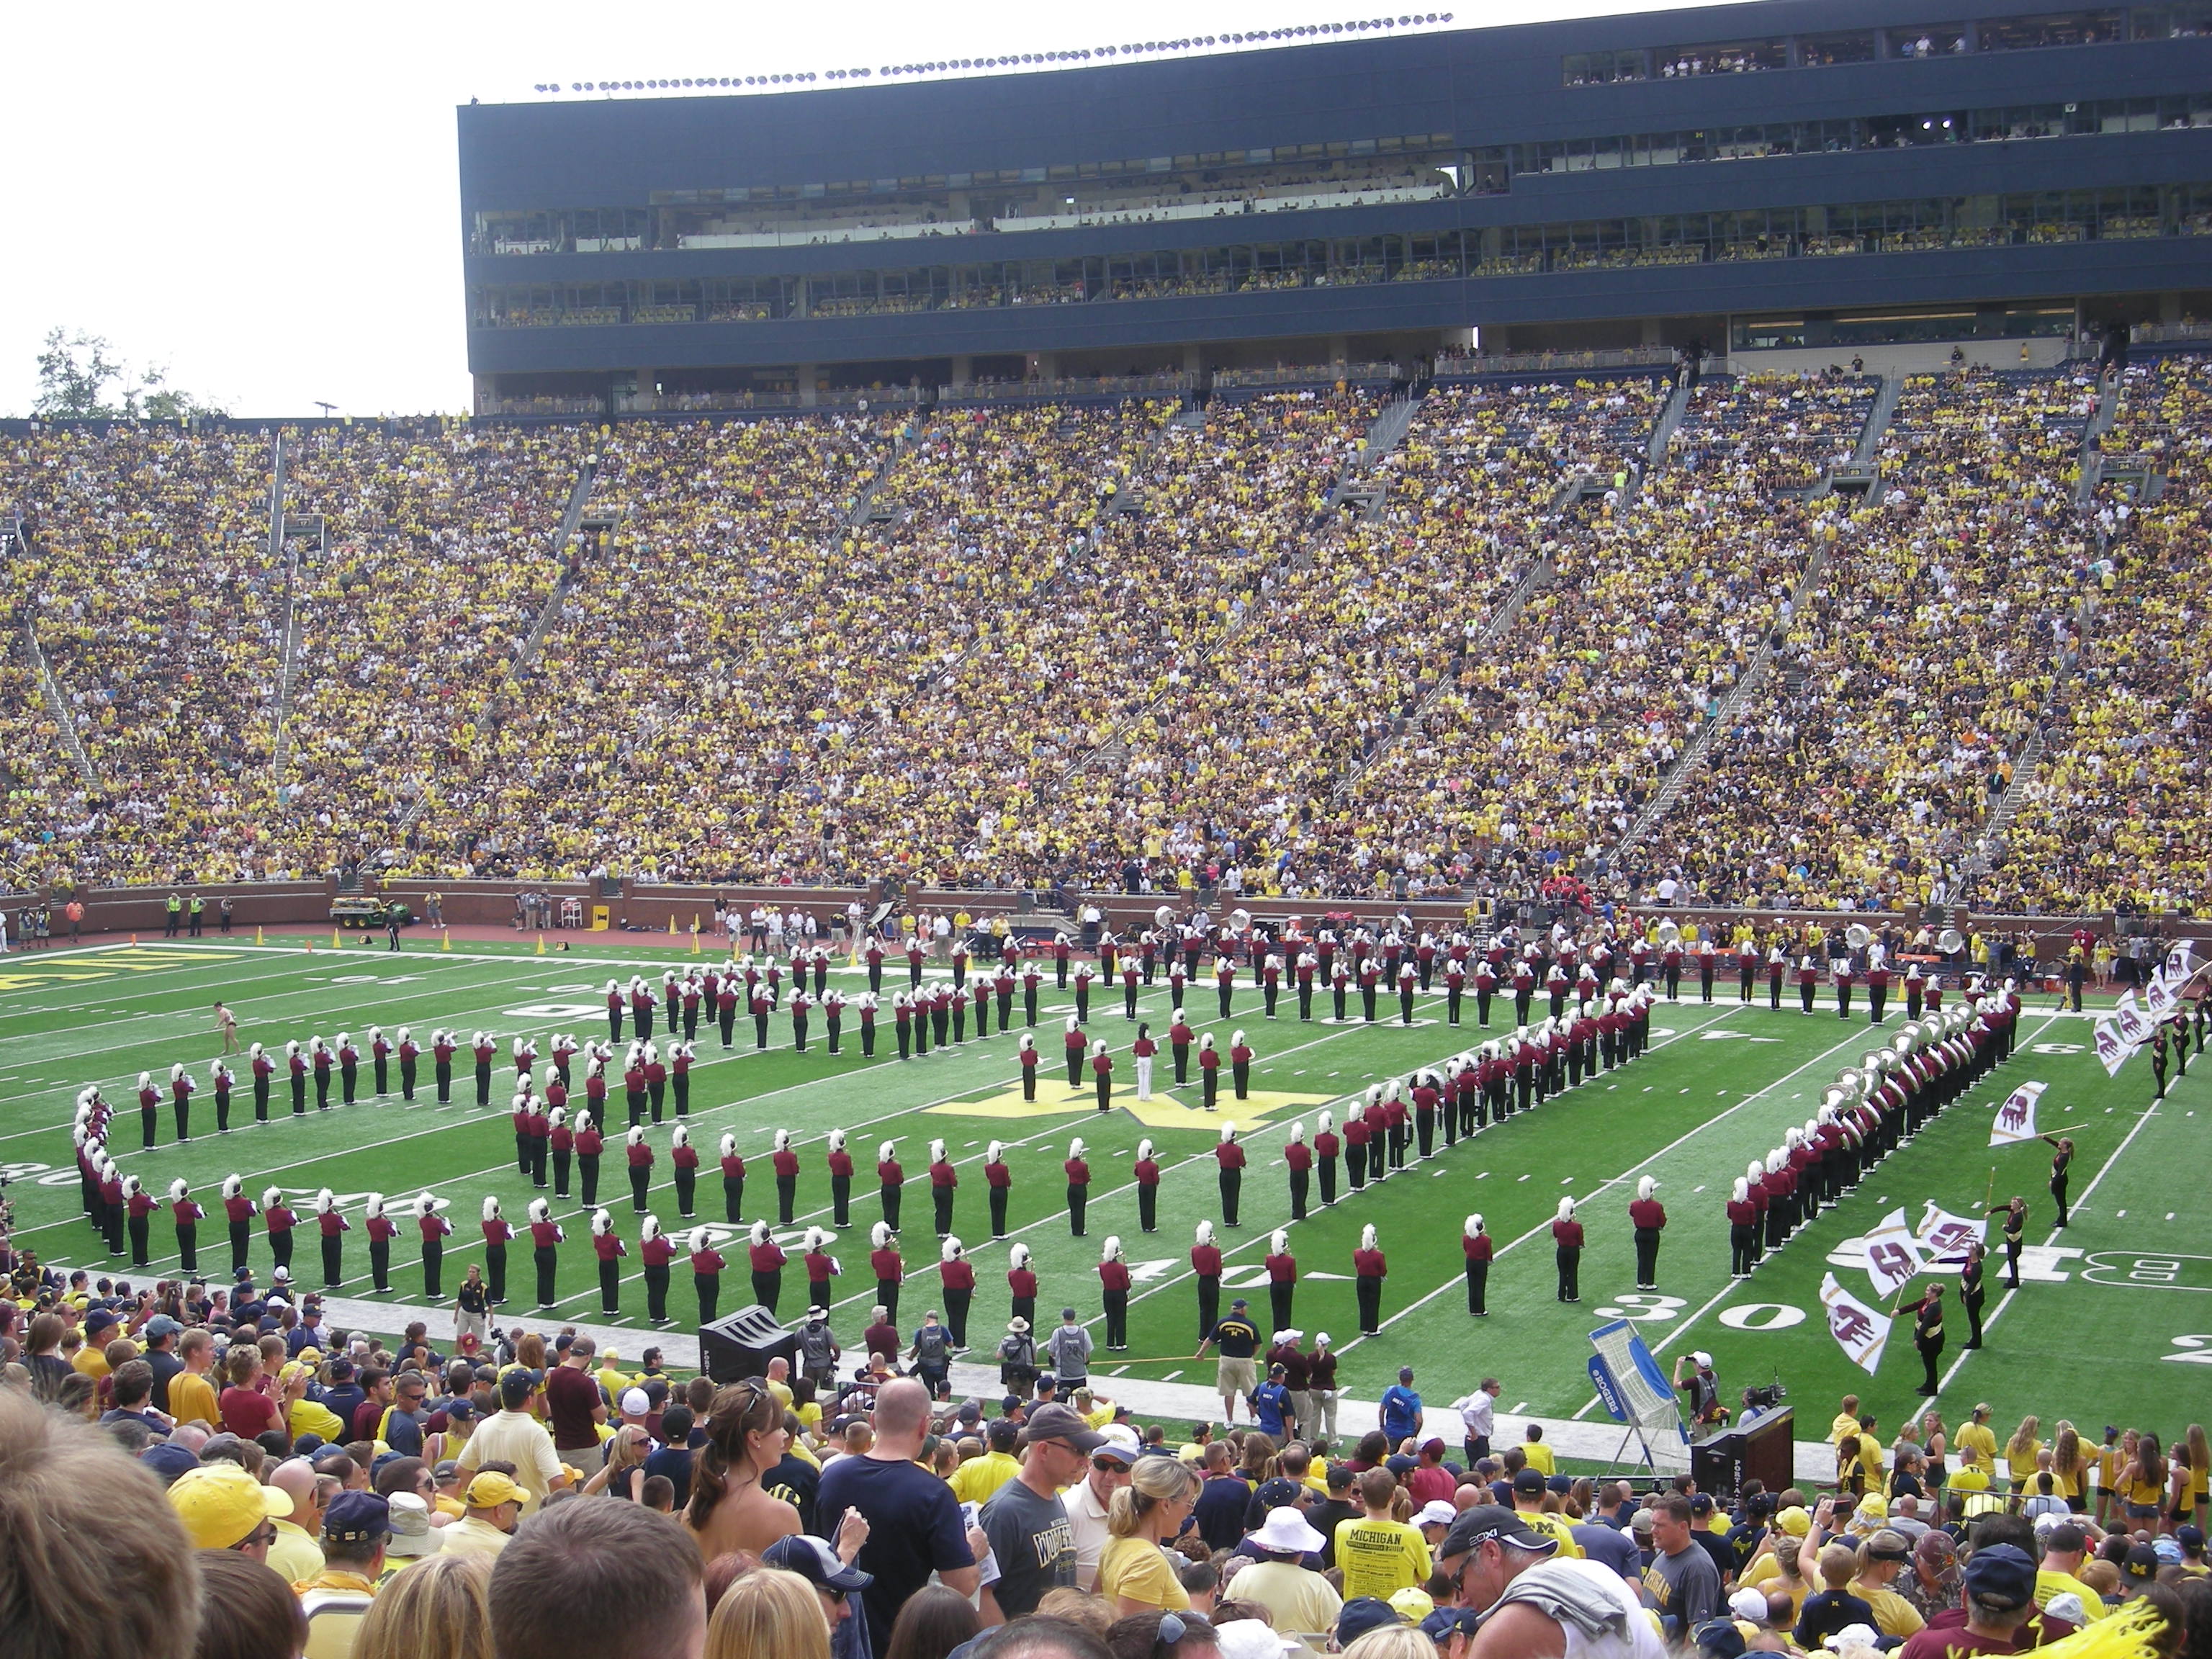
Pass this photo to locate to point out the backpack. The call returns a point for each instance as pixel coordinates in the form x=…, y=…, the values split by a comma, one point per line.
x=931, y=1346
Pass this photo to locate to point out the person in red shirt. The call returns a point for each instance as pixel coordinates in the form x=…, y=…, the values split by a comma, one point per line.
x=382, y=1229
x=1475, y=1246
x=1206, y=1264
x=1369, y=1270
x=561, y=1144
x=656, y=1250
x=841, y=1181
x=1147, y=1173
x=139, y=1209
x=279, y=1220
x=1298, y=1157
x=1743, y=1230
x=485, y=1050
x=1078, y=1185
x=944, y=1183
x=634, y=1085
x=865, y=1005
x=334, y=1226
x=1358, y=1132
x=1229, y=1155
x=321, y=1057
x=1076, y=1045
x=220, y=1078
x=684, y=1159
x=639, y=1158
x=434, y=1228
x=1114, y=1279
x=188, y=1216
x=733, y=1181
x=1209, y=1069
x=767, y=1259
x=762, y=1004
x=903, y=1013
x=1648, y=1217
x=1022, y=1283
x=1180, y=1037
x=956, y=1275
x=610, y=1250
x=707, y=1265
x=786, y=1162
x=545, y=1239
x=295, y=1065
x=181, y=1095
x=889, y=1267
x=890, y=1182
x=1240, y=1065
x=518, y=1117
x=590, y=1144
x=262, y=1068
x=1000, y=1180
x=1282, y=1278
x=1101, y=1070
x=349, y=1067
x=1427, y=1093
x=656, y=1080
x=246, y=1411
x=1567, y=1251
x=1027, y=1054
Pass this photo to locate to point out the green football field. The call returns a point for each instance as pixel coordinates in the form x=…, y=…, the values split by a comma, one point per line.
x=2106, y=1304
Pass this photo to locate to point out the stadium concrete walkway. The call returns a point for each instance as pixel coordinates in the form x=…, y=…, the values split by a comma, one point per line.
x=1169, y=1402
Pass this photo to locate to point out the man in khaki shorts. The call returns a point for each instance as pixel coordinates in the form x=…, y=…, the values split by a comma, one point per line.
x=1239, y=1338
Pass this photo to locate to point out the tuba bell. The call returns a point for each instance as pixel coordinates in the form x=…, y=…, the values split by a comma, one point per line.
x=1669, y=932
x=1950, y=941
x=1165, y=917
x=1241, y=921
x=1857, y=936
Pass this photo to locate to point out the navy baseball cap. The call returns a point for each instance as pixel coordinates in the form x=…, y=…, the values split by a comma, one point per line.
x=816, y=1562
x=1361, y=1615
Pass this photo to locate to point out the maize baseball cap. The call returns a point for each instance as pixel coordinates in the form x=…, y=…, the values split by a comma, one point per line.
x=490, y=1489
x=221, y=1505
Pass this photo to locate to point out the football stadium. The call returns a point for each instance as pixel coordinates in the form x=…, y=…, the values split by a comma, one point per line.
x=1411, y=813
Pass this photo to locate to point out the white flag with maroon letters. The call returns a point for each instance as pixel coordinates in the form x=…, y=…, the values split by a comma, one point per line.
x=2015, y=1119
x=1862, y=1332
x=2112, y=1049
x=1893, y=1255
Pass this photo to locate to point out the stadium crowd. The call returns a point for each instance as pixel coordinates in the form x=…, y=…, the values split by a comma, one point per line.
x=268, y=1487
x=1030, y=663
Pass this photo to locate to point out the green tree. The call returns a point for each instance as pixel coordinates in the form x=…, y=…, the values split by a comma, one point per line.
x=80, y=378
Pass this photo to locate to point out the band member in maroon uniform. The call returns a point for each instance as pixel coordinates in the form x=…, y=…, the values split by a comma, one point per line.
x=891, y=1182
x=1369, y=1270
x=545, y=1237
x=279, y=1220
x=1567, y=1251
x=498, y=1233
x=1475, y=1246
x=1102, y=1069
x=957, y=1276
x=1649, y=1217
x=639, y=1158
x=1209, y=1070
x=944, y=1183
x=1114, y=1288
x=434, y=1228
x=382, y=1229
x=188, y=1216
x=786, y=1162
x=656, y=1250
x=1000, y=1180
x=444, y=1045
x=1230, y=1156
x=707, y=1265
x=1078, y=1185
x=222, y=1080
x=610, y=1249
x=1206, y=1264
x=889, y=1267
x=1282, y=1278
x=1021, y=1283
x=683, y=1160
x=1075, y=1045
x=614, y=1012
x=1147, y=1174
x=380, y=1057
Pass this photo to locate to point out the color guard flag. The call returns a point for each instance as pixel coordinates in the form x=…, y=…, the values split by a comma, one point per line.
x=2181, y=960
x=1862, y=1332
x=1943, y=1236
x=1893, y=1255
x=2160, y=997
x=2015, y=1119
x=2112, y=1049
x=2135, y=1025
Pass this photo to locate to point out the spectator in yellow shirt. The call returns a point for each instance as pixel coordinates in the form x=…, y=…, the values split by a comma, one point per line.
x=1538, y=1454
x=979, y=1477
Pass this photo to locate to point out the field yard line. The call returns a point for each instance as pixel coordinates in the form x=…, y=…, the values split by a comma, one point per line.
x=1068, y=1127
x=619, y=1187
x=1226, y=1254
x=124, y=1080
x=1675, y=1332
x=149, y=984
x=2005, y=1301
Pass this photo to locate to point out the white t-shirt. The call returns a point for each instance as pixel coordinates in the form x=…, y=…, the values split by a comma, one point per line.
x=1640, y=1640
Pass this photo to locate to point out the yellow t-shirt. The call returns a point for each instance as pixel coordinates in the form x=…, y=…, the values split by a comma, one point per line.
x=191, y=1399
x=2021, y=1469
x=306, y=1416
x=1136, y=1568
x=1540, y=1458
x=1380, y=1558
x=1892, y=1614
x=1845, y=1423
x=2049, y=1583
x=1978, y=1448
x=1555, y=1526
x=979, y=1477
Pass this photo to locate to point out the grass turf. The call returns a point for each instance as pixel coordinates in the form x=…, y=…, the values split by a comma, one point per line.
x=2091, y=1336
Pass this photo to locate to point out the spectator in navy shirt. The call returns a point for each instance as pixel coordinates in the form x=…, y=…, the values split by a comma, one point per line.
x=913, y=1521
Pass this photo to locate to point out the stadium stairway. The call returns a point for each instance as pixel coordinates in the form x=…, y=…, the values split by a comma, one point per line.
x=1532, y=581
x=1662, y=430
x=863, y=509
x=565, y=580
x=1877, y=423
x=57, y=708
x=1693, y=757
x=288, y=669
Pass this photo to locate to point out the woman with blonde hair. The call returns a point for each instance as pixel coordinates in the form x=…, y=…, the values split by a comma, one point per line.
x=438, y=1608
x=623, y=1473
x=2200, y=1473
x=2020, y=1452
x=1144, y=1517
x=769, y=1613
x=745, y=1438
x=1393, y=1642
x=2142, y=1483
x=2069, y=1467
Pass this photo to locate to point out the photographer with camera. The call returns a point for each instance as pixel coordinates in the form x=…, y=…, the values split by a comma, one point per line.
x=1700, y=1390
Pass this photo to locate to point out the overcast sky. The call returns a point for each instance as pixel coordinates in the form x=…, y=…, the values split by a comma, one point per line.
x=262, y=197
